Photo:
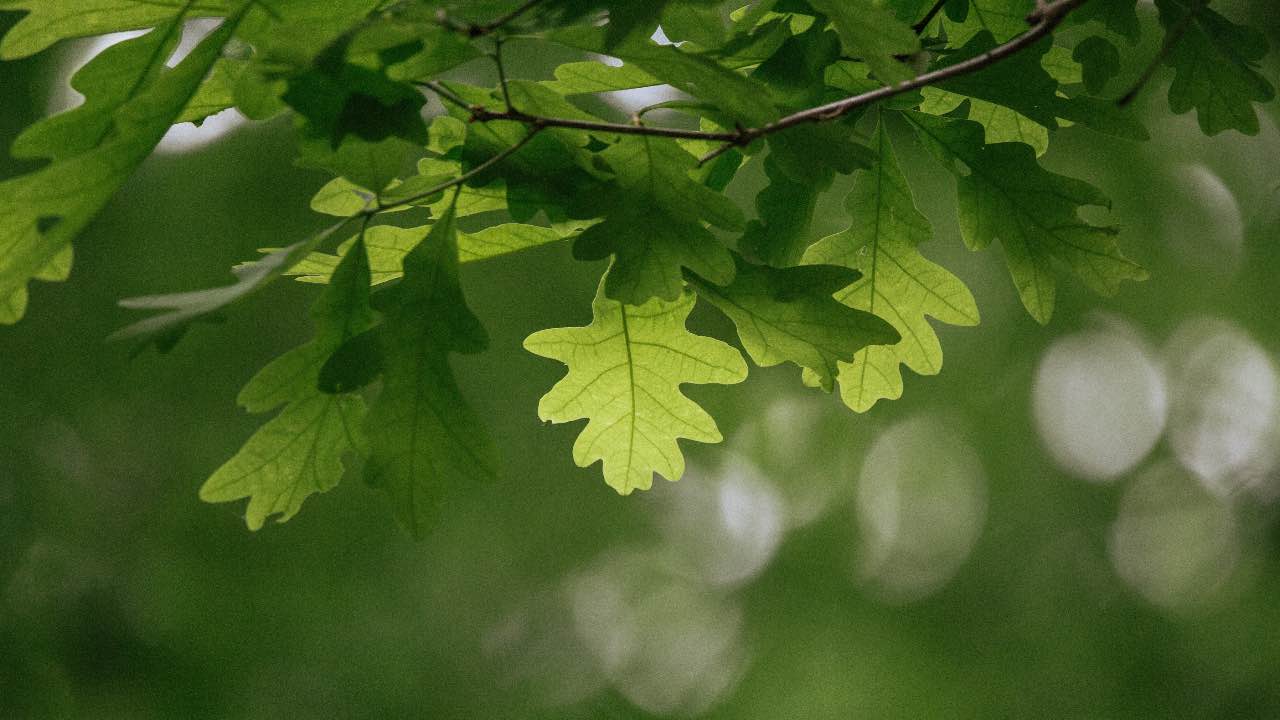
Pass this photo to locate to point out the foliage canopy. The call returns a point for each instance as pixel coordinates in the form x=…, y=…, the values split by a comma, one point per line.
x=808, y=89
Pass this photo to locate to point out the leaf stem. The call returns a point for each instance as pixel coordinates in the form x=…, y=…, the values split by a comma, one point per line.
x=1171, y=38
x=475, y=30
x=464, y=177
x=923, y=23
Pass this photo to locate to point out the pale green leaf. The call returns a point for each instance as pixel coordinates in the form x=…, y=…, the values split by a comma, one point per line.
x=625, y=373
x=299, y=452
x=898, y=283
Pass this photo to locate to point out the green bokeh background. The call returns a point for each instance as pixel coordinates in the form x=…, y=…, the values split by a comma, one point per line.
x=123, y=596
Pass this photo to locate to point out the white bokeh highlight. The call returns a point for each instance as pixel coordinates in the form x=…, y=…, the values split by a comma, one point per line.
x=726, y=525
x=921, y=504
x=1173, y=542
x=1099, y=401
x=668, y=644
x=1223, y=414
x=1204, y=229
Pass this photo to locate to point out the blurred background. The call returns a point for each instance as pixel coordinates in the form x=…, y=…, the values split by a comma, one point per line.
x=1073, y=521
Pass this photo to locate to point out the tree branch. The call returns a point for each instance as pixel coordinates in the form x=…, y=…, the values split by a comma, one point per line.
x=482, y=114
x=1046, y=16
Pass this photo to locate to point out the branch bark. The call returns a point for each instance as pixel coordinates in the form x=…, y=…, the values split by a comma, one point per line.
x=1043, y=20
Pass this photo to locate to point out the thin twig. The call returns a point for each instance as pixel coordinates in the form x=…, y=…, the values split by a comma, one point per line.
x=920, y=26
x=502, y=72
x=1171, y=38
x=1043, y=19
x=511, y=150
x=481, y=114
x=475, y=30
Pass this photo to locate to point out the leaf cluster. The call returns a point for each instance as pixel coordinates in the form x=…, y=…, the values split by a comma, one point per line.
x=808, y=90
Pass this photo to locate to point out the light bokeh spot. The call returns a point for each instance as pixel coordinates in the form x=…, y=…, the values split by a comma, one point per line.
x=1223, y=412
x=921, y=504
x=1099, y=401
x=1173, y=542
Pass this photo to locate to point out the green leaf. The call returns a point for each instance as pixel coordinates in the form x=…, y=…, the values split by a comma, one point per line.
x=49, y=21
x=387, y=245
x=1003, y=19
x=299, y=452
x=338, y=98
x=181, y=309
x=872, y=33
x=1119, y=16
x=42, y=211
x=1005, y=195
x=655, y=227
x=789, y=315
x=425, y=442
x=1100, y=61
x=1021, y=84
x=898, y=283
x=1215, y=67
x=625, y=372
x=736, y=95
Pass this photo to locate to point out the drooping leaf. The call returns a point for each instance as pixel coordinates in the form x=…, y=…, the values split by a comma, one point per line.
x=425, y=442
x=299, y=452
x=42, y=211
x=789, y=315
x=898, y=283
x=179, y=310
x=1005, y=195
x=625, y=372
x=1215, y=65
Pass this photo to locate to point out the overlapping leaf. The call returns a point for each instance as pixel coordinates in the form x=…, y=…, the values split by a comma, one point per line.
x=42, y=211
x=625, y=372
x=1215, y=65
x=299, y=452
x=1005, y=195
x=898, y=283
x=425, y=442
x=654, y=230
x=789, y=315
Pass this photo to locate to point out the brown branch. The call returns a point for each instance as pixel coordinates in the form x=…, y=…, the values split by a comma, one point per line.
x=1043, y=19
x=1046, y=16
x=480, y=113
